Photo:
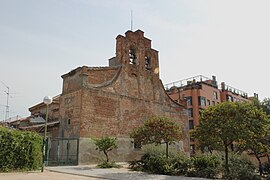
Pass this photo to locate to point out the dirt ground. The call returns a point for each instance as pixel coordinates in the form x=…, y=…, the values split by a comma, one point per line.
x=46, y=175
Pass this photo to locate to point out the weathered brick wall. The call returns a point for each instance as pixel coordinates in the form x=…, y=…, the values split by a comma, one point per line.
x=72, y=81
x=113, y=101
x=101, y=75
x=70, y=114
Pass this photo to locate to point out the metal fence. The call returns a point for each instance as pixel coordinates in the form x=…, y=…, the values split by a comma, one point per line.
x=62, y=152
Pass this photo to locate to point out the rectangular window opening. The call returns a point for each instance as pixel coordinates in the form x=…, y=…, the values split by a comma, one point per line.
x=202, y=101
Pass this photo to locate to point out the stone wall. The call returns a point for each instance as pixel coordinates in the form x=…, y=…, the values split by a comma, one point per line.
x=88, y=154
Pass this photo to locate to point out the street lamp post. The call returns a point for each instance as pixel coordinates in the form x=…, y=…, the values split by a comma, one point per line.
x=46, y=100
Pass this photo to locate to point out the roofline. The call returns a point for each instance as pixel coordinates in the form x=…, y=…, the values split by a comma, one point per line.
x=42, y=104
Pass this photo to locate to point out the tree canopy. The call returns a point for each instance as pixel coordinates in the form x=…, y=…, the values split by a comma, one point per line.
x=157, y=130
x=228, y=123
x=106, y=144
x=266, y=105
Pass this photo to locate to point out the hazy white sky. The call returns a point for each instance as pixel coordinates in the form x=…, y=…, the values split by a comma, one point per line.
x=41, y=40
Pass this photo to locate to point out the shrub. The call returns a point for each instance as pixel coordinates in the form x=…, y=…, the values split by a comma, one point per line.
x=155, y=161
x=110, y=164
x=266, y=170
x=19, y=150
x=207, y=166
x=241, y=169
x=136, y=165
x=181, y=164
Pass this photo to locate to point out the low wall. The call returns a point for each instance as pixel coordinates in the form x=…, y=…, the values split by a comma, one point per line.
x=88, y=154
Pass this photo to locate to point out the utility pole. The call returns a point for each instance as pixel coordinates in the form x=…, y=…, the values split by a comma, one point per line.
x=7, y=106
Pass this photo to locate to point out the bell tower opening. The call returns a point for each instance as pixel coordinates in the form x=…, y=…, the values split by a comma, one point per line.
x=132, y=57
x=147, y=63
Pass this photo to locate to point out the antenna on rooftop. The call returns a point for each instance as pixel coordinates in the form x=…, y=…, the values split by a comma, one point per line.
x=131, y=20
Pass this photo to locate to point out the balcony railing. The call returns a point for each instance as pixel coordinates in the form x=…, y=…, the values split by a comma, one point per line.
x=233, y=90
x=185, y=82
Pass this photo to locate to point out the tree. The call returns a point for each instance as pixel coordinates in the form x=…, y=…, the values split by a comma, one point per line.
x=106, y=144
x=221, y=126
x=157, y=130
x=266, y=105
x=257, y=131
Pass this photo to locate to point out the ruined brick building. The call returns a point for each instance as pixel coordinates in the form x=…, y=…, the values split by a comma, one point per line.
x=113, y=100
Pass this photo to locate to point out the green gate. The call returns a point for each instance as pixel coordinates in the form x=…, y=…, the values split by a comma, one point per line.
x=62, y=152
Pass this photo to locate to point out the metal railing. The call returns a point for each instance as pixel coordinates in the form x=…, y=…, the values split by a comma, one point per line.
x=185, y=82
x=233, y=90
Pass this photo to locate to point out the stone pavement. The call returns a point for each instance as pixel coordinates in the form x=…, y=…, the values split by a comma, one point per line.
x=46, y=175
x=113, y=173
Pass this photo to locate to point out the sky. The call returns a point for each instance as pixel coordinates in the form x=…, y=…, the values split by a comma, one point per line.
x=42, y=40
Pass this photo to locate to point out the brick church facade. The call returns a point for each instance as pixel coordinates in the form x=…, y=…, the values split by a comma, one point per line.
x=113, y=100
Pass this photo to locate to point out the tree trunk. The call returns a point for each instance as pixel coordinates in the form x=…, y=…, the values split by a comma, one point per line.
x=107, y=157
x=226, y=158
x=210, y=150
x=167, y=149
x=268, y=158
x=260, y=163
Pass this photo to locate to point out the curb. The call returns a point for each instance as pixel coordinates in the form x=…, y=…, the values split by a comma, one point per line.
x=83, y=175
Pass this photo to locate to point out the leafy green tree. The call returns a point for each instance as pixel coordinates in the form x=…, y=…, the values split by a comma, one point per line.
x=106, y=144
x=157, y=130
x=222, y=125
x=257, y=131
x=266, y=105
x=265, y=141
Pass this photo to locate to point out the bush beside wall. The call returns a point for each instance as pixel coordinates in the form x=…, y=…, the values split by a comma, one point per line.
x=205, y=166
x=19, y=150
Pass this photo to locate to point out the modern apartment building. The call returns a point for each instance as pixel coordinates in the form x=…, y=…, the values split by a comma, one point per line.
x=198, y=93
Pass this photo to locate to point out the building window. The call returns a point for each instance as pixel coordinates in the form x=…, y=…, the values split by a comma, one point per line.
x=215, y=95
x=132, y=57
x=147, y=63
x=229, y=98
x=208, y=102
x=189, y=100
x=213, y=103
x=191, y=124
x=202, y=101
x=190, y=112
x=69, y=121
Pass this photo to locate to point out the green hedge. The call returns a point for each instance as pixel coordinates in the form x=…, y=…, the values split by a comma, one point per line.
x=19, y=150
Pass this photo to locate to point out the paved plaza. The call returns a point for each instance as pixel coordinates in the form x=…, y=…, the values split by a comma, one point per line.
x=88, y=172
